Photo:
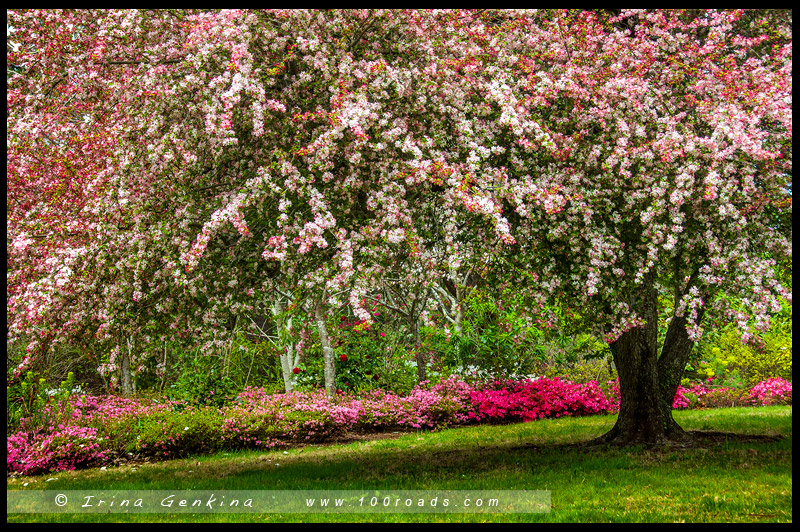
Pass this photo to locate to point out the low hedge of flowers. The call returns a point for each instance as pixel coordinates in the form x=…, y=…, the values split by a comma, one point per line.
x=86, y=431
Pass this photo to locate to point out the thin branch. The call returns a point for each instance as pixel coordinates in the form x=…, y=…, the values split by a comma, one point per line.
x=134, y=62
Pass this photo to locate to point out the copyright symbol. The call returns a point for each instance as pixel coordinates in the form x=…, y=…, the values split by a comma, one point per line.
x=61, y=500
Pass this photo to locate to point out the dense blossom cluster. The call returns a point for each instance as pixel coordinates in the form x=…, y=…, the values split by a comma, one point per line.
x=96, y=430
x=166, y=170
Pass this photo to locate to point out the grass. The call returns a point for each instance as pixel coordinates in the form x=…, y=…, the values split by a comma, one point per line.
x=734, y=481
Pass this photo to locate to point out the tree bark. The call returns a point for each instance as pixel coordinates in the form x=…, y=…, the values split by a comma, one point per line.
x=671, y=365
x=419, y=356
x=126, y=379
x=289, y=361
x=289, y=358
x=645, y=415
x=327, y=350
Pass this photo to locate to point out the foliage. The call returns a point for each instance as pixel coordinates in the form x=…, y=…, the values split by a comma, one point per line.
x=63, y=448
x=369, y=356
x=499, y=339
x=33, y=405
x=582, y=370
x=173, y=434
x=767, y=355
x=772, y=391
x=508, y=401
x=203, y=381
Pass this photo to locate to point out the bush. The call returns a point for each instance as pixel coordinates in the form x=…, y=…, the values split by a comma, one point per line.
x=507, y=401
x=771, y=392
x=65, y=448
x=497, y=341
x=203, y=382
x=33, y=405
x=583, y=370
x=723, y=354
x=366, y=358
x=295, y=416
x=754, y=364
x=176, y=434
x=244, y=428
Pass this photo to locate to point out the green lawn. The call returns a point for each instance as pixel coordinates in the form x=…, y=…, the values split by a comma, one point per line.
x=733, y=481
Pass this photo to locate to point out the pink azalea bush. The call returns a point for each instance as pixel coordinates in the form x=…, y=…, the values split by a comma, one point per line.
x=89, y=431
x=445, y=403
x=63, y=449
x=266, y=419
x=771, y=391
x=529, y=400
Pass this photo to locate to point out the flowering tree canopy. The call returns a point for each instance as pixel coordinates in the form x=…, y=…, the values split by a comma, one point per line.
x=166, y=168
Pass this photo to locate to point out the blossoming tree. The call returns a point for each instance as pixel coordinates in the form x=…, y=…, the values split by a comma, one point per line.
x=166, y=168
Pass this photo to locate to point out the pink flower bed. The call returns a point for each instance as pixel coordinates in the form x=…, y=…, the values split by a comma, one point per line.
x=89, y=431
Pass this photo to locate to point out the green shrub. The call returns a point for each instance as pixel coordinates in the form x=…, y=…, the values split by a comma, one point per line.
x=721, y=353
x=305, y=425
x=724, y=397
x=497, y=341
x=35, y=405
x=176, y=434
x=583, y=370
x=366, y=358
x=203, y=382
x=244, y=428
x=729, y=356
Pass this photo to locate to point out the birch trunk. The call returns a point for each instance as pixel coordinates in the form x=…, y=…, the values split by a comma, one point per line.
x=327, y=350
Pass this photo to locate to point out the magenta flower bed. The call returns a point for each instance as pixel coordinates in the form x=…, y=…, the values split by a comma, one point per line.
x=530, y=400
x=90, y=431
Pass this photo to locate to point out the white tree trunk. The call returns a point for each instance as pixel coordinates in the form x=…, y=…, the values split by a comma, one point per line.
x=327, y=350
x=289, y=360
x=290, y=357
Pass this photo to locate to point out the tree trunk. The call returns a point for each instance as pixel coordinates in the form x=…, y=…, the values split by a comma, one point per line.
x=459, y=314
x=289, y=361
x=289, y=358
x=419, y=356
x=126, y=380
x=327, y=351
x=645, y=413
x=459, y=327
x=671, y=365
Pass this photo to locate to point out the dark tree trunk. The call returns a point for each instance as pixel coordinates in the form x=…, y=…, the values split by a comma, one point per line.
x=419, y=356
x=648, y=383
x=641, y=418
x=671, y=364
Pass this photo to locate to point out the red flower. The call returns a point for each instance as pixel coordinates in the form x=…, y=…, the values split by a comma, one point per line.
x=343, y=358
x=296, y=371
